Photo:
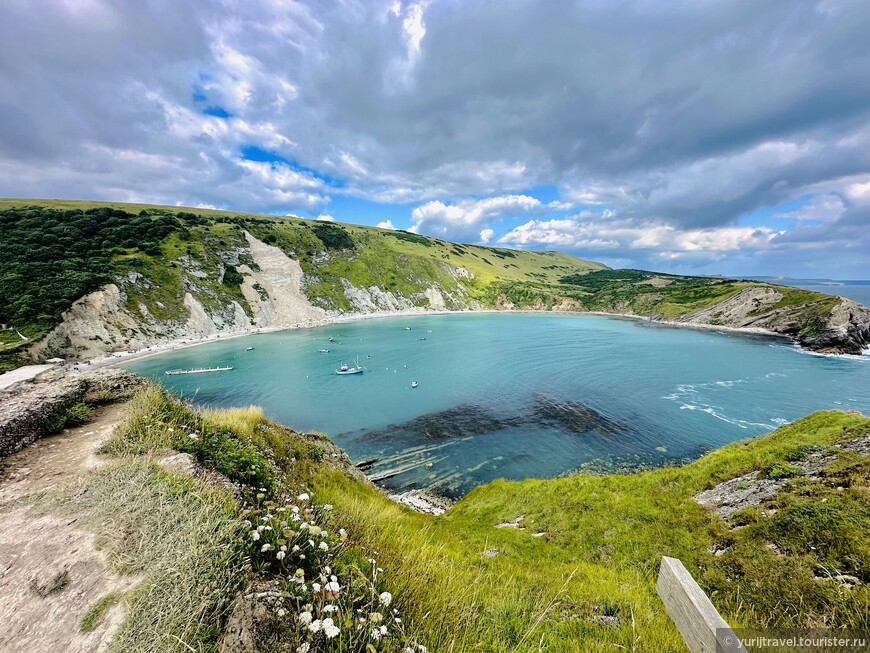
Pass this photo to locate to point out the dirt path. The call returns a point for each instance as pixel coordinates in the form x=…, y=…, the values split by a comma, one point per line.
x=52, y=572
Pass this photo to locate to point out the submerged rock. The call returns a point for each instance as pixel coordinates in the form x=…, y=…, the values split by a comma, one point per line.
x=573, y=416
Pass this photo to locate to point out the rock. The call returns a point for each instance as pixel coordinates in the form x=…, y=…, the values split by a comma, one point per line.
x=847, y=331
x=29, y=410
x=605, y=620
x=180, y=463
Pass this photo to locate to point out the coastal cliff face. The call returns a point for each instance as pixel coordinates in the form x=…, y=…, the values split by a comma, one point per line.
x=841, y=326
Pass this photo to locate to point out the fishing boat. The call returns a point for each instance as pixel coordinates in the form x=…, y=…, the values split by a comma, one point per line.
x=414, y=384
x=346, y=369
x=407, y=328
x=200, y=370
x=331, y=339
x=249, y=349
x=323, y=351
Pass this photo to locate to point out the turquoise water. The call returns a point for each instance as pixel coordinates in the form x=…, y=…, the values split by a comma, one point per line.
x=518, y=395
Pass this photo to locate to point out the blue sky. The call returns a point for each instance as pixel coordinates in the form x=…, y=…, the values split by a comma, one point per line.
x=717, y=136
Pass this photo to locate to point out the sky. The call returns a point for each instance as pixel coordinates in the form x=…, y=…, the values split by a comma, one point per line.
x=688, y=136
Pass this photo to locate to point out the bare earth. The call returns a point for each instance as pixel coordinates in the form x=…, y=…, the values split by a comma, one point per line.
x=51, y=571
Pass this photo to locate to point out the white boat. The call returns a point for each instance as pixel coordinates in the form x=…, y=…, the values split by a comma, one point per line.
x=346, y=369
x=323, y=351
x=199, y=370
x=249, y=349
x=407, y=328
x=414, y=384
x=331, y=339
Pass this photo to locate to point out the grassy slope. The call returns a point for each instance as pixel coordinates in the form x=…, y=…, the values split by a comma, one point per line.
x=605, y=536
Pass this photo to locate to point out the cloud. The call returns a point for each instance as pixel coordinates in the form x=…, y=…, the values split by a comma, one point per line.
x=386, y=224
x=323, y=217
x=820, y=208
x=486, y=235
x=602, y=233
x=736, y=109
x=465, y=218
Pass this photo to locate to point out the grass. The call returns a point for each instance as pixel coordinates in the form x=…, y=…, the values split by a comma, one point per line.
x=95, y=614
x=460, y=583
x=604, y=538
x=179, y=535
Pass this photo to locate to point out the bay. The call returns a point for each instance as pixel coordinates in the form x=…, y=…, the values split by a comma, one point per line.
x=517, y=396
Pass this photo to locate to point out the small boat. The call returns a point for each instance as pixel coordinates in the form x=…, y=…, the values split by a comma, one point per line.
x=346, y=369
x=407, y=328
x=249, y=349
x=323, y=351
x=200, y=370
x=331, y=339
x=423, y=338
x=414, y=384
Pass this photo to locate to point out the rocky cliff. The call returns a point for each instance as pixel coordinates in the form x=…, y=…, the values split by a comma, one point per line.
x=835, y=326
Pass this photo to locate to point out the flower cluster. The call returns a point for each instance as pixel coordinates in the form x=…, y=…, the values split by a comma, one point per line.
x=328, y=602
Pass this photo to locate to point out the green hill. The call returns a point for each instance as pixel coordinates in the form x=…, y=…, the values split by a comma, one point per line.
x=81, y=278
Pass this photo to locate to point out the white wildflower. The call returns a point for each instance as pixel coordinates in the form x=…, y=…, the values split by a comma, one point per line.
x=305, y=618
x=315, y=626
x=376, y=634
x=383, y=630
x=303, y=497
x=332, y=586
x=295, y=548
x=376, y=617
x=327, y=506
x=330, y=608
x=305, y=646
x=329, y=628
x=280, y=555
x=323, y=546
x=255, y=535
x=265, y=547
x=342, y=533
x=385, y=598
x=315, y=587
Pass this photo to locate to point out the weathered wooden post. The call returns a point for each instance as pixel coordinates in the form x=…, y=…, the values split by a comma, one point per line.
x=702, y=627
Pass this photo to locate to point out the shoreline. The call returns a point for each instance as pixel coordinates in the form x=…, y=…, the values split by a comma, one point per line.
x=164, y=347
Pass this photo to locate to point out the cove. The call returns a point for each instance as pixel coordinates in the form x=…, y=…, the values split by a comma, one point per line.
x=517, y=396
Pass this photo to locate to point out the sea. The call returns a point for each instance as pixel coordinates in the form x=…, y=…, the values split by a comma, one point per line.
x=517, y=396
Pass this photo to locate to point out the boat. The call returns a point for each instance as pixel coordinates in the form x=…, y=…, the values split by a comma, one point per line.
x=407, y=328
x=346, y=369
x=249, y=349
x=323, y=351
x=200, y=370
x=414, y=384
x=331, y=339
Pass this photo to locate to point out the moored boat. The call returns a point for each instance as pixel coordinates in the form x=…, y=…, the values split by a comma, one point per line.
x=346, y=369
x=200, y=370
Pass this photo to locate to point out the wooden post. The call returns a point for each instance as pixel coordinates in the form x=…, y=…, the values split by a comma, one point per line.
x=690, y=609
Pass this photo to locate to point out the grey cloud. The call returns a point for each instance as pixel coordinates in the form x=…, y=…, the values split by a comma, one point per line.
x=669, y=113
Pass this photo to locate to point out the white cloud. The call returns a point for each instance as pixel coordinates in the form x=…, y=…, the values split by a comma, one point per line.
x=820, y=208
x=465, y=218
x=600, y=233
x=486, y=235
x=323, y=217
x=386, y=224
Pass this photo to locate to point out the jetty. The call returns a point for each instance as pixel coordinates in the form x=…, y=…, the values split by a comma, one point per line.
x=201, y=370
